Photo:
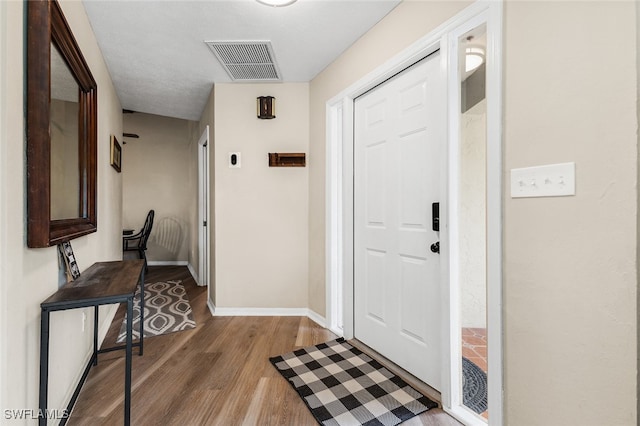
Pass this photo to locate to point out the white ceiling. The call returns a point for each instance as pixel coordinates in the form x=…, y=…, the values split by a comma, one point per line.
x=159, y=63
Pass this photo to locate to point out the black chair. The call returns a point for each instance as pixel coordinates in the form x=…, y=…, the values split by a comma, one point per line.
x=138, y=242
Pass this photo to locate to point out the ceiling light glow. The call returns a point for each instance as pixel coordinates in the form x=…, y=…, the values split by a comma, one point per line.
x=276, y=3
x=474, y=57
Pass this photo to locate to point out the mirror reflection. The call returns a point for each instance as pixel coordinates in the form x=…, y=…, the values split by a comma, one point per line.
x=473, y=238
x=65, y=170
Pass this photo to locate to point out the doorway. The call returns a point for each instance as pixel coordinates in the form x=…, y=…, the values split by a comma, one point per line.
x=340, y=259
x=204, y=243
x=399, y=147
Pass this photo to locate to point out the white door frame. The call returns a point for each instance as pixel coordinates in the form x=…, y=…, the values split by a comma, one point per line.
x=204, y=239
x=339, y=199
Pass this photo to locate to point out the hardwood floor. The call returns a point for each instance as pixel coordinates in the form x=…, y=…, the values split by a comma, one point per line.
x=216, y=374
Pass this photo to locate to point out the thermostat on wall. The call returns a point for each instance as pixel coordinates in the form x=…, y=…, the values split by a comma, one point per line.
x=234, y=160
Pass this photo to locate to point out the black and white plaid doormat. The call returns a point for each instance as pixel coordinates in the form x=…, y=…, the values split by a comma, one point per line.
x=343, y=386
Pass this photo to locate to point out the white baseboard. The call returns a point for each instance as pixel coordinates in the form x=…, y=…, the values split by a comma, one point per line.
x=167, y=263
x=317, y=318
x=261, y=312
x=247, y=312
x=186, y=263
x=337, y=331
x=194, y=274
x=211, y=307
x=268, y=312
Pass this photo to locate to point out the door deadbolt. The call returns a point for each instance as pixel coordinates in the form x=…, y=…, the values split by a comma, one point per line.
x=435, y=247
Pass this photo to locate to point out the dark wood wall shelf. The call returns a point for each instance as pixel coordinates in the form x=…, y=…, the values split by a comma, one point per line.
x=287, y=159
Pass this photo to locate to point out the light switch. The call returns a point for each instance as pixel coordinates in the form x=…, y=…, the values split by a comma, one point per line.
x=553, y=180
x=234, y=160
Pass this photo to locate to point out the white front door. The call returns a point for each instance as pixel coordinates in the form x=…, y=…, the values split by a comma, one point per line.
x=399, y=141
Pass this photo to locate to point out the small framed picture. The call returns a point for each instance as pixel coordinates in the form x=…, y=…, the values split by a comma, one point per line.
x=116, y=154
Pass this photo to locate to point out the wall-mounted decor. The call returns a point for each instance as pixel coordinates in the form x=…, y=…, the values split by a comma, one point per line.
x=58, y=212
x=71, y=269
x=266, y=107
x=116, y=154
x=288, y=159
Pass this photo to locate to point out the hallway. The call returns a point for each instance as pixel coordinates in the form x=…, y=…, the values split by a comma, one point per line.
x=216, y=374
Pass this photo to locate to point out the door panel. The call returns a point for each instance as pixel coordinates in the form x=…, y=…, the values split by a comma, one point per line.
x=375, y=276
x=398, y=133
x=376, y=155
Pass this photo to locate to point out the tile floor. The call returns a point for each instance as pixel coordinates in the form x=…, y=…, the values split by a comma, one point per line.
x=474, y=348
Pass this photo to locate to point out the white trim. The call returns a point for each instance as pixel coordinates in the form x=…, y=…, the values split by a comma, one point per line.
x=320, y=320
x=167, y=263
x=270, y=312
x=339, y=199
x=453, y=403
x=193, y=273
x=186, y=263
x=495, y=211
x=261, y=312
x=211, y=306
x=491, y=15
x=204, y=212
x=333, y=264
x=347, y=219
x=445, y=235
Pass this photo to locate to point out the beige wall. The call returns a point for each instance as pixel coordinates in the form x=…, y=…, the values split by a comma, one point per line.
x=28, y=276
x=569, y=262
x=408, y=22
x=638, y=215
x=156, y=170
x=6, y=52
x=261, y=212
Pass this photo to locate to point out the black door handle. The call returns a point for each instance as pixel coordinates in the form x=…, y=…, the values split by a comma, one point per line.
x=435, y=247
x=435, y=216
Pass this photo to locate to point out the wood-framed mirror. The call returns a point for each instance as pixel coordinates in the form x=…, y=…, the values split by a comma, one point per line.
x=61, y=131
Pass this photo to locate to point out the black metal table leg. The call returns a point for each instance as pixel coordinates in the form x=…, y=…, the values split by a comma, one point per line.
x=127, y=372
x=44, y=365
x=141, y=311
x=95, y=335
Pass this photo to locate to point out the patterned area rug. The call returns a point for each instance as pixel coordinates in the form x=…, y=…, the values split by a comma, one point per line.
x=474, y=387
x=343, y=386
x=166, y=310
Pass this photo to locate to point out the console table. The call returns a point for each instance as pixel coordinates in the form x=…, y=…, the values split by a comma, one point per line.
x=104, y=283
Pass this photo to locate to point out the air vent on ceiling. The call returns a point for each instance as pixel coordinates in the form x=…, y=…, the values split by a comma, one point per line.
x=246, y=60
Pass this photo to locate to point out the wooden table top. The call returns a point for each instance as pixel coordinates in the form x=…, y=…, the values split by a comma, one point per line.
x=99, y=283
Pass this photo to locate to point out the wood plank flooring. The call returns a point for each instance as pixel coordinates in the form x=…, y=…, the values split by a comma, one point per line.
x=216, y=374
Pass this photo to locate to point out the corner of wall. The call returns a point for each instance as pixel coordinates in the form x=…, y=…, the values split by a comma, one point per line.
x=637, y=7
